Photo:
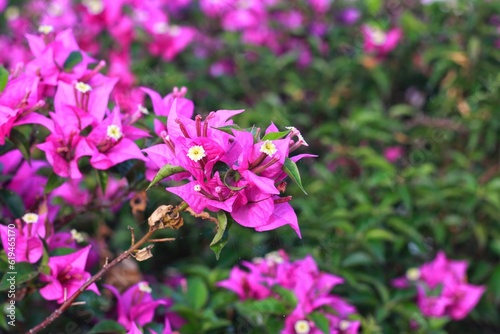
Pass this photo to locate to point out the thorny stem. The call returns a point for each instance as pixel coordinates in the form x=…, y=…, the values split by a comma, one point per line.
x=107, y=266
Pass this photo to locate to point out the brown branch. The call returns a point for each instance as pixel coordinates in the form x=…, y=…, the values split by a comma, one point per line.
x=92, y=280
x=107, y=266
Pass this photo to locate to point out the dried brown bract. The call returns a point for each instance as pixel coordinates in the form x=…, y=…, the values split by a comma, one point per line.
x=166, y=216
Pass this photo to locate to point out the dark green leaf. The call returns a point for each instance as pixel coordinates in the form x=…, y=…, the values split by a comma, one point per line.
x=290, y=168
x=21, y=273
x=228, y=128
x=13, y=202
x=320, y=321
x=4, y=78
x=276, y=135
x=21, y=142
x=74, y=58
x=197, y=292
x=222, y=236
x=102, y=178
x=107, y=327
x=164, y=172
x=230, y=178
x=53, y=182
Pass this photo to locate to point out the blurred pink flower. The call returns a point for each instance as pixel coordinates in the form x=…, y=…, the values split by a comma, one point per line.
x=379, y=42
x=393, y=153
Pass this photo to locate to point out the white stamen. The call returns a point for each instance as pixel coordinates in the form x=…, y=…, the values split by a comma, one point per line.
x=344, y=325
x=378, y=36
x=275, y=257
x=77, y=236
x=144, y=287
x=268, y=148
x=94, y=7
x=82, y=87
x=45, y=29
x=30, y=218
x=114, y=132
x=302, y=327
x=196, y=153
x=413, y=274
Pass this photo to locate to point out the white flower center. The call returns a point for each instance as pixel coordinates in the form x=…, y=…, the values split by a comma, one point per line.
x=77, y=236
x=144, y=287
x=94, y=7
x=275, y=257
x=114, y=132
x=45, y=29
x=30, y=218
x=197, y=188
x=268, y=148
x=344, y=325
x=196, y=153
x=302, y=327
x=413, y=274
x=82, y=87
x=378, y=36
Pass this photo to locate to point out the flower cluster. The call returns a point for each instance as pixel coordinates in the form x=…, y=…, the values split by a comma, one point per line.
x=311, y=287
x=278, y=25
x=227, y=168
x=442, y=288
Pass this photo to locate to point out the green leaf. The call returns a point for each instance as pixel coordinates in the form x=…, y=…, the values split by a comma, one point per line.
x=380, y=234
x=287, y=296
x=222, y=236
x=4, y=78
x=21, y=142
x=230, y=177
x=276, y=135
x=44, y=261
x=228, y=128
x=107, y=326
x=102, y=178
x=164, y=172
x=494, y=284
x=22, y=273
x=373, y=6
x=197, y=292
x=13, y=202
x=290, y=168
x=320, y=321
x=53, y=182
x=263, y=306
x=73, y=59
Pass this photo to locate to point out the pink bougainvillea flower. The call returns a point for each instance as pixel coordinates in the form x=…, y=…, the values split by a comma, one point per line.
x=25, y=181
x=392, y=154
x=379, y=42
x=64, y=147
x=442, y=288
x=91, y=96
x=67, y=275
x=136, y=306
x=113, y=142
x=311, y=287
x=30, y=230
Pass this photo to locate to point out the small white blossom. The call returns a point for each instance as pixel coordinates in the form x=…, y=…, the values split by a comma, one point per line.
x=30, y=218
x=196, y=153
